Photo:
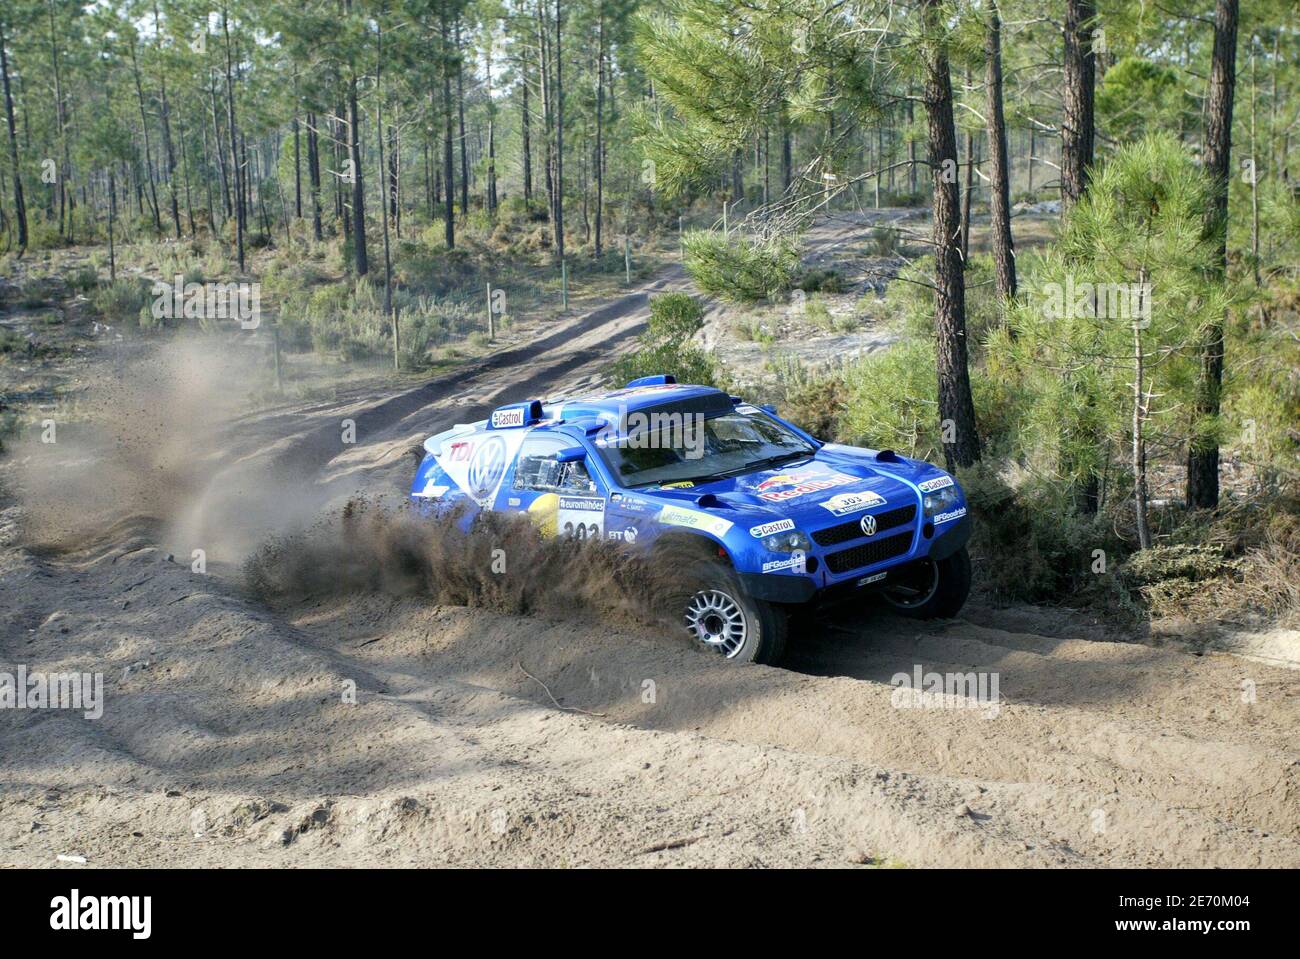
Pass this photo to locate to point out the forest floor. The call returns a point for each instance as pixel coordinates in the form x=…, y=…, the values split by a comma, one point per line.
x=762, y=346
x=480, y=738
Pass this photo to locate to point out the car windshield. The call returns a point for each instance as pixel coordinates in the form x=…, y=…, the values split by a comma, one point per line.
x=683, y=449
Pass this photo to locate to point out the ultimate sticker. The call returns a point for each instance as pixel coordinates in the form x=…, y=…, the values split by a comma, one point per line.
x=694, y=519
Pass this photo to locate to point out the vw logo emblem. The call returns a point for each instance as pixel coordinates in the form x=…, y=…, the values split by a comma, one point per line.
x=487, y=466
x=868, y=524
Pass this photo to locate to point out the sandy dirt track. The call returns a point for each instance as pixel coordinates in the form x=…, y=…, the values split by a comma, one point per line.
x=226, y=739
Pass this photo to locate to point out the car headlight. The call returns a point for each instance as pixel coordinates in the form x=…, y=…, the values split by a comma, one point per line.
x=940, y=501
x=787, y=542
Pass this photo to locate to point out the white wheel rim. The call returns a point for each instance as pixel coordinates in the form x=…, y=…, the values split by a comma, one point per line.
x=716, y=620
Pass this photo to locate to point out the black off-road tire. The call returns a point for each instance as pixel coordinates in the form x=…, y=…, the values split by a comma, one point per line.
x=945, y=598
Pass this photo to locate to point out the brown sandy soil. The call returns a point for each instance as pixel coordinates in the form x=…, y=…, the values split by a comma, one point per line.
x=480, y=738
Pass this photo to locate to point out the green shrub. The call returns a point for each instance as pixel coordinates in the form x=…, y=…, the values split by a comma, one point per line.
x=1179, y=561
x=44, y=235
x=665, y=346
x=1032, y=545
x=35, y=293
x=84, y=280
x=818, y=280
x=884, y=241
x=912, y=297
x=674, y=316
x=12, y=341
x=816, y=406
x=739, y=268
x=752, y=331
x=892, y=401
x=689, y=364
x=121, y=301
x=819, y=313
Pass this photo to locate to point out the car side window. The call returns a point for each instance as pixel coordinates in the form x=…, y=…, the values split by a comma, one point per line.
x=539, y=471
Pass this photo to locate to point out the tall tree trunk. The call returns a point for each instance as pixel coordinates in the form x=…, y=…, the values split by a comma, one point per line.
x=787, y=155
x=525, y=122
x=961, y=444
x=112, y=223
x=969, y=192
x=60, y=118
x=1004, y=254
x=600, y=129
x=164, y=117
x=241, y=212
x=460, y=112
x=313, y=176
x=1077, y=128
x=395, y=179
x=185, y=170
x=1139, y=464
x=492, y=131
x=448, y=163
x=559, y=132
x=361, y=259
x=20, y=206
x=544, y=73
x=1254, y=171
x=144, y=131
x=1203, y=454
x=207, y=177
x=338, y=146
x=297, y=167
x=428, y=169
x=383, y=207
x=227, y=209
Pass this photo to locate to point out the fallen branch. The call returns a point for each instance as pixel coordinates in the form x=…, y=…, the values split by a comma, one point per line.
x=570, y=709
x=672, y=844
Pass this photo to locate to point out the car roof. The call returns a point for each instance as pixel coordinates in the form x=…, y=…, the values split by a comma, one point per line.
x=614, y=403
x=581, y=416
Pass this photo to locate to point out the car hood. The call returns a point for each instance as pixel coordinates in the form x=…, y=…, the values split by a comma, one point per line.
x=825, y=488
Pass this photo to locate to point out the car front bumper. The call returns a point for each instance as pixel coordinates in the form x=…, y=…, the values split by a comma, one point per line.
x=795, y=590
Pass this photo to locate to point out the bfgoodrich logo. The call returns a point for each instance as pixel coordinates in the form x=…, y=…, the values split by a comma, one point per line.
x=74, y=912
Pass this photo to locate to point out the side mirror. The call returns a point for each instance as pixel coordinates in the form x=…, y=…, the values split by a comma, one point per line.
x=573, y=454
x=768, y=408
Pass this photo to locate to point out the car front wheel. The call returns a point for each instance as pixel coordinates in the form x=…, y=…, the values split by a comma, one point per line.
x=929, y=589
x=724, y=619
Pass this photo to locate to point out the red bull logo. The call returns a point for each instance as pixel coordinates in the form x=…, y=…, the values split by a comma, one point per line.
x=801, y=484
x=782, y=479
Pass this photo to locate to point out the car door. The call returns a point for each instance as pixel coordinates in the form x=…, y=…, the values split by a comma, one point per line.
x=564, y=499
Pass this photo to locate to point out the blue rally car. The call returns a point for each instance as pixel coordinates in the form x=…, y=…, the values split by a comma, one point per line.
x=780, y=518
